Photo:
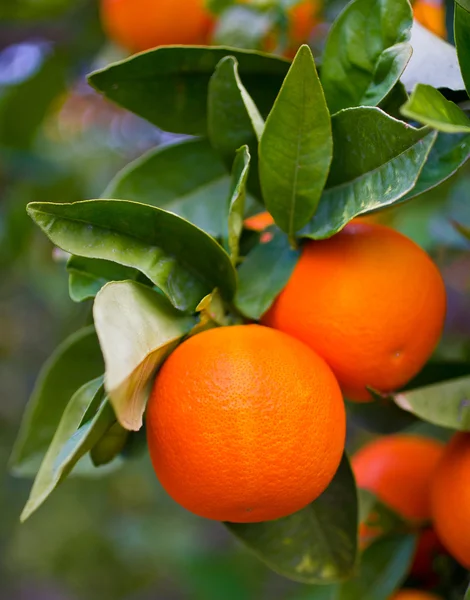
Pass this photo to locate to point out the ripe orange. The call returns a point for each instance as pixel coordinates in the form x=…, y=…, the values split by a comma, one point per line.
x=143, y=24
x=451, y=498
x=414, y=595
x=302, y=19
x=259, y=222
x=369, y=301
x=432, y=15
x=398, y=469
x=245, y=424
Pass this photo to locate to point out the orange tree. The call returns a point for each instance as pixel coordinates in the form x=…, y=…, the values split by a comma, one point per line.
x=249, y=421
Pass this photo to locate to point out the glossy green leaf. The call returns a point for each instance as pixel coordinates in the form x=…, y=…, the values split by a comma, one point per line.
x=88, y=275
x=315, y=545
x=377, y=160
x=137, y=329
x=110, y=445
x=296, y=147
x=462, y=38
x=187, y=178
x=446, y=404
x=384, y=566
x=366, y=52
x=449, y=152
x=434, y=62
x=429, y=107
x=63, y=453
x=77, y=360
x=180, y=259
x=263, y=274
x=241, y=169
x=168, y=86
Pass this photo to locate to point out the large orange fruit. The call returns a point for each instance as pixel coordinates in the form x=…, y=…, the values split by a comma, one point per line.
x=451, y=498
x=399, y=469
x=369, y=301
x=245, y=424
x=143, y=24
x=414, y=595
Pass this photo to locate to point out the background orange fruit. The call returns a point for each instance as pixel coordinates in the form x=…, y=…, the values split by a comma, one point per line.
x=451, y=498
x=398, y=469
x=414, y=595
x=143, y=24
x=431, y=14
x=369, y=301
x=245, y=424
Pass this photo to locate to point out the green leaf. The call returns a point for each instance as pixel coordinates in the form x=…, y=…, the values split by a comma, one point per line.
x=263, y=274
x=462, y=38
x=137, y=329
x=377, y=160
x=241, y=169
x=180, y=259
x=380, y=416
x=428, y=106
x=69, y=443
x=434, y=62
x=296, y=147
x=233, y=118
x=110, y=445
x=77, y=360
x=366, y=52
x=449, y=153
x=315, y=545
x=384, y=566
x=168, y=86
x=187, y=178
x=446, y=404
x=394, y=100
x=88, y=275
x=467, y=594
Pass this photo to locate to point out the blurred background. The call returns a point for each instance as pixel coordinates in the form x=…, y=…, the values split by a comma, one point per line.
x=120, y=537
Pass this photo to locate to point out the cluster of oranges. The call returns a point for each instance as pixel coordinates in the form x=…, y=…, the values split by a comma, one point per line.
x=139, y=25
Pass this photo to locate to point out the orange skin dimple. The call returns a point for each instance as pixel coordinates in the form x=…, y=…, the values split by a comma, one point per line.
x=369, y=301
x=451, y=499
x=139, y=25
x=245, y=424
x=398, y=469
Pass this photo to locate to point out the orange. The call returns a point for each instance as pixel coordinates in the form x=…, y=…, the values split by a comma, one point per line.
x=369, y=301
x=414, y=595
x=398, y=469
x=143, y=24
x=432, y=15
x=259, y=222
x=245, y=424
x=302, y=19
x=451, y=498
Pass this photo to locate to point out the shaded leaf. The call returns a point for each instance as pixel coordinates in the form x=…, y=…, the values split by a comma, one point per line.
x=296, y=147
x=77, y=360
x=377, y=160
x=366, y=52
x=137, y=328
x=69, y=443
x=315, y=545
x=434, y=62
x=180, y=259
x=384, y=566
x=428, y=106
x=462, y=38
x=394, y=100
x=446, y=404
x=110, y=445
x=380, y=416
x=88, y=275
x=168, y=86
x=187, y=178
x=379, y=519
x=241, y=169
x=263, y=274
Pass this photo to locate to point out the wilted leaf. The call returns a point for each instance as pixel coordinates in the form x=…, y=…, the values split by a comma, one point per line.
x=263, y=274
x=77, y=360
x=137, y=328
x=296, y=147
x=366, y=52
x=315, y=545
x=428, y=106
x=180, y=259
x=377, y=160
